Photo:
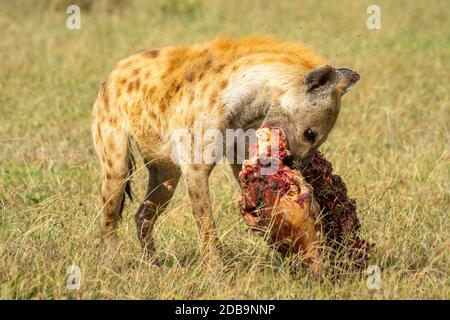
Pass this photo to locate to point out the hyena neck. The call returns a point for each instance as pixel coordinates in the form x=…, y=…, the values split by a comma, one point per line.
x=252, y=92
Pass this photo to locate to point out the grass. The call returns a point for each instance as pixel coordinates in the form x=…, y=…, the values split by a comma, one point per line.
x=390, y=145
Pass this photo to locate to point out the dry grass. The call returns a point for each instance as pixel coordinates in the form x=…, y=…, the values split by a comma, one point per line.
x=391, y=146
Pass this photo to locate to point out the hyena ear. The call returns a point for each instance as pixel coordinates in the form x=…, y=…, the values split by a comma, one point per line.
x=349, y=79
x=321, y=79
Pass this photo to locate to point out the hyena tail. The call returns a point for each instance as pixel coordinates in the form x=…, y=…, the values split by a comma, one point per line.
x=131, y=168
x=113, y=147
x=131, y=164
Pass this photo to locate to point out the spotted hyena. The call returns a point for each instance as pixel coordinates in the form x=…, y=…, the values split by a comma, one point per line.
x=223, y=84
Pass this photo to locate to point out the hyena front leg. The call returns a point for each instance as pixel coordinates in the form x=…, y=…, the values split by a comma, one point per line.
x=162, y=181
x=196, y=179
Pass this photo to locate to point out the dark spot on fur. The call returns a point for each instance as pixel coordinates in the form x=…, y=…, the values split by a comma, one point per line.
x=190, y=76
x=162, y=106
x=130, y=87
x=151, y=113
x=152, y=53
x=213, y=98
x=219, y=68
x=105, y=95
x=165, y=75
x=149, y=91
x=137, y=84
x=113, y=119
x=177, y=87
x=168, y=96
x=193, y=195
x=208, y=64
x=99, y=132
x=223, y=84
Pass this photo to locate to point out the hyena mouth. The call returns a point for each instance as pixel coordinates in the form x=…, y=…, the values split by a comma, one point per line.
x=299, y=163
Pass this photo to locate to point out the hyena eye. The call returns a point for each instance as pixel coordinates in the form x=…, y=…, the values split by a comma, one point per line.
x=309, y=135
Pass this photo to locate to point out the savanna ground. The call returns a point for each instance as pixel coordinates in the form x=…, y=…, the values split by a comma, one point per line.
x=390, y=145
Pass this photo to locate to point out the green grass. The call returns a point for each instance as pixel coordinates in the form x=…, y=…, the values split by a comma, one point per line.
x=390, y=145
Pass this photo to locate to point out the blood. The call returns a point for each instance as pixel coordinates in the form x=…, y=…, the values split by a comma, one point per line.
x=337, y=218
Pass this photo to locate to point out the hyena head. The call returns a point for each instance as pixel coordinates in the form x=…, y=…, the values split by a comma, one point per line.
x=308, y=110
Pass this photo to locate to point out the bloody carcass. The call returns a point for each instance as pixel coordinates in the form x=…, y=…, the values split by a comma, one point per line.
x=299, y=209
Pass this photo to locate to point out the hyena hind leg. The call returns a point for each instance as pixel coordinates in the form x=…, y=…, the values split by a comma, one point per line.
x=162, y=181
x=112, y=146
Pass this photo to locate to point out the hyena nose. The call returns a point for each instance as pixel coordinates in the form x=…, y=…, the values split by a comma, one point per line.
x=295, y=161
